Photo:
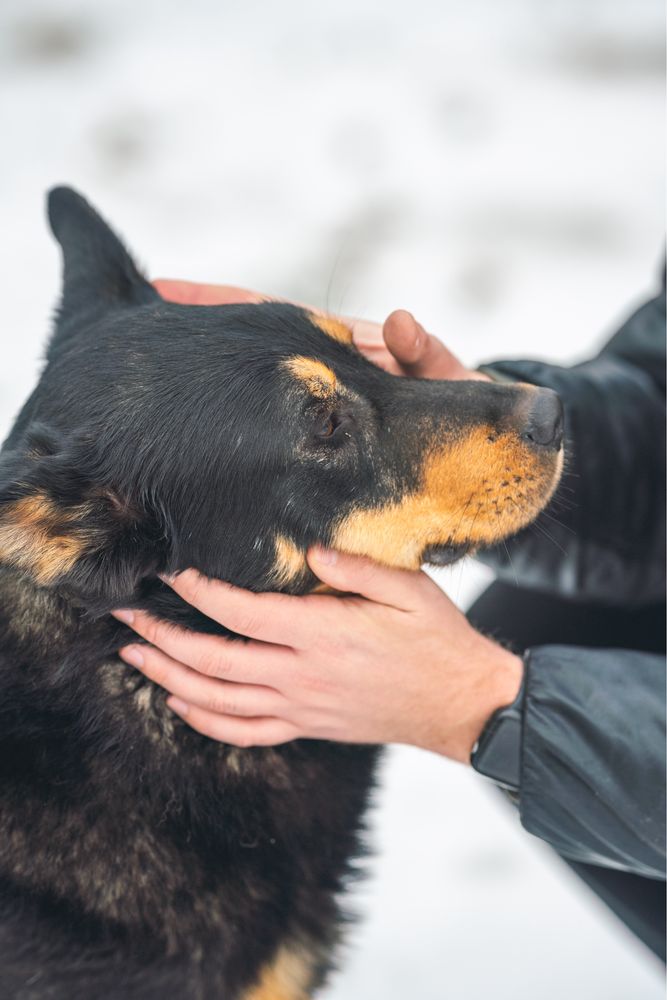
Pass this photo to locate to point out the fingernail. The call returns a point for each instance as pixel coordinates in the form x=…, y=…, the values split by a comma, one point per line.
x=167, y=578
x=326, y=556
x=124, y=615
x=178, y=706
x=133, y=655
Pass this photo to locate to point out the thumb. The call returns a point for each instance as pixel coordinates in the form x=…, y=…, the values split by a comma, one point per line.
x=397, y=588
x=418, y=352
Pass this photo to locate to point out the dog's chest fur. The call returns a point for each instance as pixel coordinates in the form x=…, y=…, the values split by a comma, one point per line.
x=148, y=835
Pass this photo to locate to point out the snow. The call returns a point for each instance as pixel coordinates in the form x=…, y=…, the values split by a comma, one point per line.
x=494, y=167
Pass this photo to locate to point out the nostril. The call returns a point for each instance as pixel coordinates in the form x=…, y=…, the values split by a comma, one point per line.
x=544, y=426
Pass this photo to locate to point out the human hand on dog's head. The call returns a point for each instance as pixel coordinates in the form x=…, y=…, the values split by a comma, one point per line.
x=400, y=345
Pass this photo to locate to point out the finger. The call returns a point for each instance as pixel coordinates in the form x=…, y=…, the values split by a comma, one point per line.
x=269, y=617
x=223, y=697
x=420, y=354
x=367, y=338
x=260, y=732
x=403, y=336
x=398, y=588
x=366, y=334
x=213, y=655
x=194, y=293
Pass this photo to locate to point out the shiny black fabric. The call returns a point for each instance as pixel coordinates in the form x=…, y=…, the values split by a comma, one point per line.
x=525, y=618
x=593, y=757
x=593, y=742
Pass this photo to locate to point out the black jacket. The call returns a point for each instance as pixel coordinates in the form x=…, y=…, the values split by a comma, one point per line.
x=593, y=750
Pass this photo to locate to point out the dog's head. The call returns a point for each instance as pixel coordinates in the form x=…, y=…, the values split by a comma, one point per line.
x=231, y=438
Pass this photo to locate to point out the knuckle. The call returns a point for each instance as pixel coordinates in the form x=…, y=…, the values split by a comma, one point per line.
x=221, y=705
x=151, y=630
x=245, y=624
x=336, y=641
x=212, y=663
x=367, y=569
x=196, y=586
x=282, y=734
x=156, y=670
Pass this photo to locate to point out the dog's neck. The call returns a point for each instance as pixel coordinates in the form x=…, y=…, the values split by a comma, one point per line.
x=47, y=622
x=59, y=668
x=36, y=621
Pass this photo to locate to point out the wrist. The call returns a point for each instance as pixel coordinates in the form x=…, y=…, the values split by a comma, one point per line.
x=495, y=676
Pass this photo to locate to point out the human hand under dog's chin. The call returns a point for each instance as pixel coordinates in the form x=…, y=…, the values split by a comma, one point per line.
x=400, y=345
x=392, y=660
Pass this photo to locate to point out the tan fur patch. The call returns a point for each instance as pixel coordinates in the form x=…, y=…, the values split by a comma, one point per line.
x=288, y=977
x=290, y=561
x=333, y=328
x=33, y=537
x=478, y=490
x=317, y=377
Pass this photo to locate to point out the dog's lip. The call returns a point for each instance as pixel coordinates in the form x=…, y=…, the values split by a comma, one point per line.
x=445, y=554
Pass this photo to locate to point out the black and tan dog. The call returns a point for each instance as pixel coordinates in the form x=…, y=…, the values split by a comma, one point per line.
x=137, y=858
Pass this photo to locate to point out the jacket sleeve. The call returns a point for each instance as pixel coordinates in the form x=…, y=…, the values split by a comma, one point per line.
x=602, y=536
x=593, y=756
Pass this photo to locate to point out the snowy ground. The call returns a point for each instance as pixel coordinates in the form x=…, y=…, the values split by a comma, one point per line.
x=493, y=165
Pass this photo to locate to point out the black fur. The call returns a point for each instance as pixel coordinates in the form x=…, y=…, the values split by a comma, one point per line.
x=137, y=858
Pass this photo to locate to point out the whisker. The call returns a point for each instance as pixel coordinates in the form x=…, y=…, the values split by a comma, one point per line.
x=509, y=556
x=539, y=527
x=463, y=514
x=559, y=523
x=327, y=296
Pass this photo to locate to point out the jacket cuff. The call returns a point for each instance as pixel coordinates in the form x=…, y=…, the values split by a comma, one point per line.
x=592, y=761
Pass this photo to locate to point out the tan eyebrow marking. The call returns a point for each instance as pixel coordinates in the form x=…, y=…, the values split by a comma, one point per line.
x=317, y=377
x=333, y=328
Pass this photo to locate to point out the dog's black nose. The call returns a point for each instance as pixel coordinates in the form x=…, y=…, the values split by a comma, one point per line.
x=545, y=420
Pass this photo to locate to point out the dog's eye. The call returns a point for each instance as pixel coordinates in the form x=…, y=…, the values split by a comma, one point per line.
x=329, y=427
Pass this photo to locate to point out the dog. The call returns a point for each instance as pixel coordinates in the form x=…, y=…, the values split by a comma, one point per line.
x=138, y=859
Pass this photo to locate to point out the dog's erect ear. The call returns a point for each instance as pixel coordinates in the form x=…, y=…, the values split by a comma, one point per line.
x=61, y=529
x=98, y=273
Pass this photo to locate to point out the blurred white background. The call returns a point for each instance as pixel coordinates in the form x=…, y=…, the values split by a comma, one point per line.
x=493, y=165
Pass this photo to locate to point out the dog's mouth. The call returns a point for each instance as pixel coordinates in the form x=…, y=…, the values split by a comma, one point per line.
x=445, y=555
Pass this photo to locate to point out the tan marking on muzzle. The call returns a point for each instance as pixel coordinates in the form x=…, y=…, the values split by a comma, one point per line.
x=477, y=490
x=317, y=377
x=333, y=328
x=287, y=977
x=34, y=537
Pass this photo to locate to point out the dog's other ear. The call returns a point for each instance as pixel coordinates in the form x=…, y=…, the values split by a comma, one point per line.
x=62, y=530
x=98, y=273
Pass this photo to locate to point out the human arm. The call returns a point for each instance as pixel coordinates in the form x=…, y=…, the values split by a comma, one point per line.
x=592, y=780
x=401, y=664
